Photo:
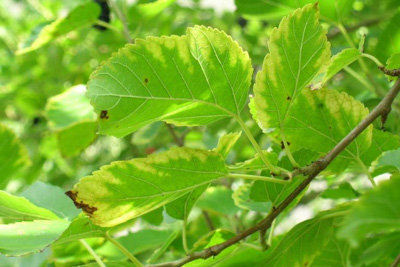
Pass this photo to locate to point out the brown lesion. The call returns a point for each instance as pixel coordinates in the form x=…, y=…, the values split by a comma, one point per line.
x=104, y=115
x=146, y=81
x=80, y=205
x=288, y=98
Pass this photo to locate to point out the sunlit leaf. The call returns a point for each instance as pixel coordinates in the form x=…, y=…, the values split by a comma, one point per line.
x=19, y=208
x=127, y=189
x=226, y=143
x=82, y=16
x=21, y=238
x=298, y=52
x=69, y=107
x=330, y=117
x=209, y=80
x=302, y=244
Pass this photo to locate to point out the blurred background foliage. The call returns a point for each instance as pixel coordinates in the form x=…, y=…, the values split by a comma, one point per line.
x=42, y=102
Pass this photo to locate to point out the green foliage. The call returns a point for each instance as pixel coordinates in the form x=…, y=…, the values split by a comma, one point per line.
x=13, y=156
x=376, y=212
x=121, y=140
x=81, y=16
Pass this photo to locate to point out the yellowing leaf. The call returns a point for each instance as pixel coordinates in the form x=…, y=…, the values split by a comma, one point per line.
x=298, y=52
x=320, y=119
x=189, y=80
x=128, y=189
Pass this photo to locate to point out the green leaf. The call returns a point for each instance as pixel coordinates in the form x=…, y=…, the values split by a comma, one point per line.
x=180, y=208
x=375, y=212
x=26, y=237
x=80, y=228
x=344, y=190
x=81, y=16
x=156, y=217
x=242, y=199
x=54, y=200
x=226, y=143
x=150, y=10
x=213, y=238
x=381, y=141
x=393, y=62
x=387, y=246
x=389, y=40
x=256, y=163
x=189, y=80
x=339, y=61
x=298, y=52
x=19, y=208
x=330, y=117
x=146, y=134
x=128, y=189
x=161, y=250
x=303, y=243
x=389, y=161
x=334, y=10
x=13, y=155
x=69, y=107
x=273, y=192
x=218, y=199
x=334, y=254
x=137, y=242
x=73, y=139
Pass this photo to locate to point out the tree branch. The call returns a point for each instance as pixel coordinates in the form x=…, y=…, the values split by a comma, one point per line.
x=310, y=172
x=336, y=31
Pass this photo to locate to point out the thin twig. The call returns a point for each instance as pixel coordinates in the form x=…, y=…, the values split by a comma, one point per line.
x=310, y=171
x=178, y=141
x=121, y=16
x=336, y=31
x=396, y=261
x=132, y=258
x=92, y=252
x=208, y=220
x=263, y=243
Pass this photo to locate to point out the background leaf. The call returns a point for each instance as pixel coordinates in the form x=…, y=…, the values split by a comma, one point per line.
x=376, y=211
x=13, y=155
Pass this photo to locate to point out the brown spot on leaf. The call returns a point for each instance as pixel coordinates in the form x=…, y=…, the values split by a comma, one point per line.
x=104, y=114
x=283, y=144
x=146, y=80
x=316, y=6
x=80, y=205
x=288, y=98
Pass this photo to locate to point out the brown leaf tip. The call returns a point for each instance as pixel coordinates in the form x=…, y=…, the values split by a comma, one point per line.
x=80, y=205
